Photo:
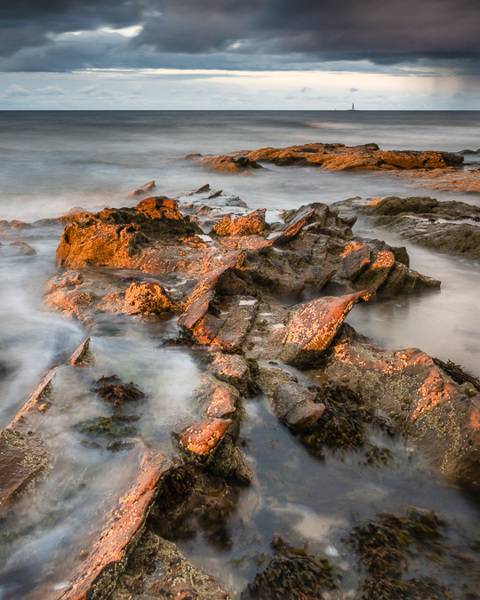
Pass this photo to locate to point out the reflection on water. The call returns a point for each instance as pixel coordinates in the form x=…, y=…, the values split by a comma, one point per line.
x=316, y=502
x=445, y=324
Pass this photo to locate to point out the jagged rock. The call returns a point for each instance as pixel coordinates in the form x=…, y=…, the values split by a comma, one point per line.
x=251, y=224
x=23, y=454
x=145, y=189
x=201, y=439
x=118, y=237
x=217, y=399
x=311, y=327
x=147, y=299
x=444, y=226
x=296, y=406
x=232, y=369
x=229, y=164
x=82, y=355
x=97, y=576
x=335, y=157
x=428, y=406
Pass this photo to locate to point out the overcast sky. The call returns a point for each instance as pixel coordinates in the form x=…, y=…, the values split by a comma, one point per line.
x=240, y=54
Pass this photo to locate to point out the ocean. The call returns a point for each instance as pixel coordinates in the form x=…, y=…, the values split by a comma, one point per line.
x=51, y=162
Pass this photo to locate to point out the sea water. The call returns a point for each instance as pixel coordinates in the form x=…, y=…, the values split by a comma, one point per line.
x=51, y=162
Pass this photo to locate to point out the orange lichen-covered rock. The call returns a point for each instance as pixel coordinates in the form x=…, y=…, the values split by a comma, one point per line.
x=98, y=573
x=356, y=258
x=160, y=207
x=203, y=438
x=118, y=237
x=147, y=299
x=252, y=224
x=311, y=326
x=231, y=368
x=338, y=157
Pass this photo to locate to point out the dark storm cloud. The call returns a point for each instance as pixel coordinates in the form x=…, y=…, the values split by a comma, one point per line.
x=386, y=31
x=222, y=33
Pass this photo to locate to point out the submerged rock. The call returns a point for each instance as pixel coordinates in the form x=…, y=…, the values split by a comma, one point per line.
x=446, y=226
x=293, y=574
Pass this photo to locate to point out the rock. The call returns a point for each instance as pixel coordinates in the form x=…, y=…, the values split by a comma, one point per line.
x=82, y=355
x=217, y=399
x=23, y=455
x=113, y=391
x=229, y=164
x=201, y=439
x=432, y=410
x=203, y=189
x=426, y=221
x=252, y=224
x=23, y=248
x=311, y=327
x=296, y=406
x=232, y=369
x=118, y=237
x=145, y=189
x=292, y=574
x=335, y=157
x=97, y=575
x=175, y=577
x=147, y=299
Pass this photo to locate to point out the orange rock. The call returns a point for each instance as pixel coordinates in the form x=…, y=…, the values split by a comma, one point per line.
x=384, y=260
x=160, y=207
x=108, y=556
x=230, y=368
x=82, y=354
x=252, y=224
x=147, y=299
x=203, y=438
x=312, y=326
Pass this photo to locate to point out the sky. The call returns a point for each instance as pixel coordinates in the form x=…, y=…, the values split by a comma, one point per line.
x=240, y=54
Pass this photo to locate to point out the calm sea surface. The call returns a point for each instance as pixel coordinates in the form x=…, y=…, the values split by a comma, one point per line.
x=51, y=162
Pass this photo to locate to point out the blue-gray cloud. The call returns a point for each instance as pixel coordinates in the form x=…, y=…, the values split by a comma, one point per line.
x=238, y=34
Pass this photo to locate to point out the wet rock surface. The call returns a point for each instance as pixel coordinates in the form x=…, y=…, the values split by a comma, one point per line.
x=260, y=307
x=448, y=226
x=334, y=157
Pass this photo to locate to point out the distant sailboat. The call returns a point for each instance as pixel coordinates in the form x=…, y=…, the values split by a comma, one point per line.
x=353, y=106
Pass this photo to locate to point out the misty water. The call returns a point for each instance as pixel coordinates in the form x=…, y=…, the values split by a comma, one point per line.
x=51, y=162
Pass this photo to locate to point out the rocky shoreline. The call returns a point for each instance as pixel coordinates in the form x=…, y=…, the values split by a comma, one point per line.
x=261, y=305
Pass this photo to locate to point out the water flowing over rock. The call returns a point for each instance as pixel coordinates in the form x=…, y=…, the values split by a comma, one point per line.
x=448, y=226
x=260, y=307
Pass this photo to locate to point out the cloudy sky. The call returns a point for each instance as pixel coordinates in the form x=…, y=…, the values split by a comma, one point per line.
x=240, y=54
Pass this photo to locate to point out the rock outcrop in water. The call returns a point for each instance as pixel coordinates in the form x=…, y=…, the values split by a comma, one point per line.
x=332, y=157
x=449, y=226
x=262, y=307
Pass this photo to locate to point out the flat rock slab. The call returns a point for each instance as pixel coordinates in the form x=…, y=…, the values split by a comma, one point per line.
x=23, y=455
x=97, y=576
x=203, y=438
x=311, y=326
